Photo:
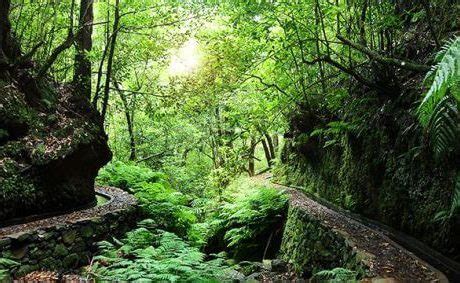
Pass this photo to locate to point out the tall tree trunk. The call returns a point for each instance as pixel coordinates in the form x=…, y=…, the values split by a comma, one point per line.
x=101, y=64
x=267, y=153
x=108, y=75
x=5, y=27
x=362, y=23
x=270, y=146
x=9, y=49
x=318, y=49
x=129, y=122
x=426, y=6
x=275, y=144
x=251, y=163
x=84, y=43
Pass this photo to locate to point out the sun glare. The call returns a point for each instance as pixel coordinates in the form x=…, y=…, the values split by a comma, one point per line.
x=186, y=59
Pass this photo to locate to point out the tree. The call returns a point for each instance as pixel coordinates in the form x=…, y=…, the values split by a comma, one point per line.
x=82, y=65
x=108, y=74
x=9, y=50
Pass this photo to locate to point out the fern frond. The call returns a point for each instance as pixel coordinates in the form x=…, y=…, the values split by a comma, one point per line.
x=446, y=74
x=455, y=205
x=336, y=275
x=444, y=126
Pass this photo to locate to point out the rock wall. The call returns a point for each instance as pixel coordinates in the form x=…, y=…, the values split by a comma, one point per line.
x=50, y=153
x=52, y=141
x=309, y=247
x=65, y=242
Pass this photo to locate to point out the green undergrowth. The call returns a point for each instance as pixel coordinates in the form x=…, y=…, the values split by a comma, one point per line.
x=184, y=237
x=158, y=200
x=147, y=253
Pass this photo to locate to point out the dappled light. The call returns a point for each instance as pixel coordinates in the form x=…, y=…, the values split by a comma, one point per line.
x=186, y=59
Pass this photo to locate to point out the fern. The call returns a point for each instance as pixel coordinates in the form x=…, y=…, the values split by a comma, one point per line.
x=334, y=132
x=166, y=206
x=336, y=275
x=454, y=209
x=252, y=215
x=8, y=263
x=438, y=110
x=445, y=75
x=155, y=255
x=5, y=276
x=443, y=126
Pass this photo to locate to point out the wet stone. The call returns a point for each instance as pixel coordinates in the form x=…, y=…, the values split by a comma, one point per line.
x=87, y=231
x=20, y=252
x=69, y=237
x=20, y=236
x=71, y=261
x=60, y=250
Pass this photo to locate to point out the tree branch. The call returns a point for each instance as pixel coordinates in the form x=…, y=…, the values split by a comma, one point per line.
x=140, y=92
x=344, y=69
x=404, y=64
x=269, y=85
x=54, y=55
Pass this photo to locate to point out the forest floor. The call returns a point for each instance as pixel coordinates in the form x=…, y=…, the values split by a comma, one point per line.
x=384, y=257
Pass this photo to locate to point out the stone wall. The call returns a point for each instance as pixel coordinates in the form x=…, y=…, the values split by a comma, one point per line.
x=309, y=247
x=68, y=241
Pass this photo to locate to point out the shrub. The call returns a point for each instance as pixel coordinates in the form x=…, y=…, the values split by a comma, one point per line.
x=253, y=215
x=128, y=177
x=158, y=200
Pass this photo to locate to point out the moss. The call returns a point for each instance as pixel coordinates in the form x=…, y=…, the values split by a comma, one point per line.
x=376, y=175
x=310, y=247
x=13, y=108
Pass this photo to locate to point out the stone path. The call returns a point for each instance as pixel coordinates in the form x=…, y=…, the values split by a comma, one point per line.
x=384, y=257
x=119, y=200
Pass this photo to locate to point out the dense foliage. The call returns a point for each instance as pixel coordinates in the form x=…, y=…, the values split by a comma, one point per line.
x=253, y=211
x=150, y=254
x=356, y=101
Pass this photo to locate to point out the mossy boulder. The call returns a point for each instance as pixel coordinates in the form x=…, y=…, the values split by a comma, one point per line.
x=52, y=145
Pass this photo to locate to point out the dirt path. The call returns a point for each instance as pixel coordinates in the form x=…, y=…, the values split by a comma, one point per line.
x=384, y=257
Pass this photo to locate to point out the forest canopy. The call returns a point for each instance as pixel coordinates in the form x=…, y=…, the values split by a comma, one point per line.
x=357, y=102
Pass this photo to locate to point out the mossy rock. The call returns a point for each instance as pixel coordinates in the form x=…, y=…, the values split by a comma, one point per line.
x=60, y=250
x=71, y=261
x=51, y=149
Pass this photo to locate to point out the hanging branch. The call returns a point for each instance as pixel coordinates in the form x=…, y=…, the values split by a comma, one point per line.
x=404, y=64
x=28, y=56
x=269, y=85
x=344, y=69
x=56, y=52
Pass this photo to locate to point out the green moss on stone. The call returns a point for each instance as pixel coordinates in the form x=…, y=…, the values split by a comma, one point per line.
x=310, y=247
x=60, y=250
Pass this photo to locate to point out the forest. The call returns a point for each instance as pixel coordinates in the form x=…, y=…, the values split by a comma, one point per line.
x=231, y=140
